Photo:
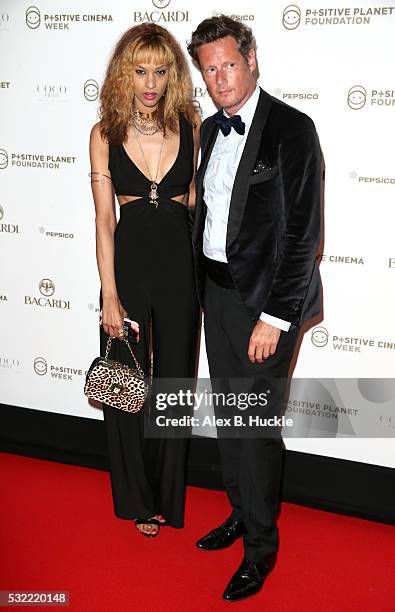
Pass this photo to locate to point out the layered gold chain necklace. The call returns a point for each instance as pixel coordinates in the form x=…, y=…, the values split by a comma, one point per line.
x=148, y=125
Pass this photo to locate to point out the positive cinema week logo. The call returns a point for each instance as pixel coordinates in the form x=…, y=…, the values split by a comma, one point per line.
x=62, y=21
x=320, y=338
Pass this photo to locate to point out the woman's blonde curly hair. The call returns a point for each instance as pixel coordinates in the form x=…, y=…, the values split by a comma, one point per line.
x=145, y=43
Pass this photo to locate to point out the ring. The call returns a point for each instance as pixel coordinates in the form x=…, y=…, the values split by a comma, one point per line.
x=121, y=332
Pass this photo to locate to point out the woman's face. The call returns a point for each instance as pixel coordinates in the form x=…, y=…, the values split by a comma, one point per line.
x=149, y=82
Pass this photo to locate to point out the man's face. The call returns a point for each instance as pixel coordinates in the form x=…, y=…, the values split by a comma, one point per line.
x=228, y=77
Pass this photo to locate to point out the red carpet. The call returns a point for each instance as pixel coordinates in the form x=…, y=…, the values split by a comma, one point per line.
x=59, y=533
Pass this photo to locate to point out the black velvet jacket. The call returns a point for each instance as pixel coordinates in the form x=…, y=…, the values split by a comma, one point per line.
x=274, y=218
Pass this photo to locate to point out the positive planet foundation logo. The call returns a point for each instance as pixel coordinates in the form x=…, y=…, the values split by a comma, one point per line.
x=356, y=97
x=291, y=17
x=3, y=159
x=36, y=160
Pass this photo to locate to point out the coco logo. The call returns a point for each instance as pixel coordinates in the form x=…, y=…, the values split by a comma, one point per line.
x=161, y=4
x=51, y=91
x=1, y=212
x=291, y=17
x=9, y=364
x=319, y=336
x=387, y=420
x=356, y=97
x=3, y=159
x=40, y=366
x=33, y=17
x=46, y=287
x=91, y=90
x=4, y=18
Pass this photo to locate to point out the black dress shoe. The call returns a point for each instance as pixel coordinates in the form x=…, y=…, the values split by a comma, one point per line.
x=222, y=536
x=248, y=579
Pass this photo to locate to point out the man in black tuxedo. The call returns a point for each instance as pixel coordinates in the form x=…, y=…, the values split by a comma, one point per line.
x=255, y=238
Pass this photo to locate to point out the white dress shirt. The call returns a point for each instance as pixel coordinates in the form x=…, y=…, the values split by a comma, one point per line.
x=218, y=185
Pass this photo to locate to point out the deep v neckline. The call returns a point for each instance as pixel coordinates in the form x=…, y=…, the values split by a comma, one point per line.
x=169, y=170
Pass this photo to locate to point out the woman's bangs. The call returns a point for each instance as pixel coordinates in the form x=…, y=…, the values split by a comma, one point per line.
x=151, y=53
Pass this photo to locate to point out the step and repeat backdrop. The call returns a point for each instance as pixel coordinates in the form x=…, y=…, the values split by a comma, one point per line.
x=333, y=61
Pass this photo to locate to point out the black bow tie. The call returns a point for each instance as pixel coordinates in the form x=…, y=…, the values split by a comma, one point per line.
x=227, y=123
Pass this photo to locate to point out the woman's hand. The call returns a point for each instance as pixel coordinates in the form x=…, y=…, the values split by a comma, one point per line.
x=113, y=314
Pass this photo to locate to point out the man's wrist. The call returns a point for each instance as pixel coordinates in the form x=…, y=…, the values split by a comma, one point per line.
x=275, y=321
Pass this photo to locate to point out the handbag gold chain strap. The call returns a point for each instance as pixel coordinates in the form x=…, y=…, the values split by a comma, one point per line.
x=108, y=348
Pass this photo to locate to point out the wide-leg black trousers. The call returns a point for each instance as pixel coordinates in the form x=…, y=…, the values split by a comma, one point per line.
x=155, y=282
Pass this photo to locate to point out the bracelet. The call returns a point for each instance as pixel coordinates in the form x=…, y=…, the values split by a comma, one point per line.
x=100, y=180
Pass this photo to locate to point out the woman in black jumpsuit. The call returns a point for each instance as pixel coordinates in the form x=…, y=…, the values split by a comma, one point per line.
x=154, y=278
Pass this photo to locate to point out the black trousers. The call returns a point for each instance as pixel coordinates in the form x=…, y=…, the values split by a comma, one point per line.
x=251, y=467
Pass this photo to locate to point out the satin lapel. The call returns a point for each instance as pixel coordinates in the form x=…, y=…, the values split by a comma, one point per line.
x=212, y=132
x=240, y=187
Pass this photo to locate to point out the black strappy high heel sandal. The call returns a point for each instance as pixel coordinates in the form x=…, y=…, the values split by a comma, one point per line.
x=149, y=521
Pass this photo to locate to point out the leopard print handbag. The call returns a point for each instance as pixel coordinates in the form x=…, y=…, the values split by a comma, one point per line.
x=116, y=384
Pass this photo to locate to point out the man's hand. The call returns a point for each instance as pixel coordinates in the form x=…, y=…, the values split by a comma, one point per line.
x=263, y=342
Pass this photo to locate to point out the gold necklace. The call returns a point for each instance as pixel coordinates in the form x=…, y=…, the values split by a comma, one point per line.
x=153, y=193
x=145, y=124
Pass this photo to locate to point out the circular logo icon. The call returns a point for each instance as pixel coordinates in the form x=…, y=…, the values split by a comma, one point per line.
x=319, y=336
x=5, y=17
x=91, y=90
x=161, y=4
x=46, y=287
x=40, y=366
x=33, y=17
x=3, y=159
x=1, y=212
x=198, y=106
x=291, y=17
x=356, y=97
